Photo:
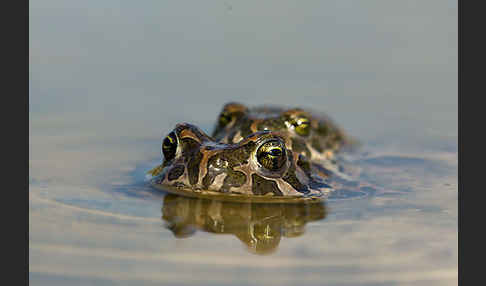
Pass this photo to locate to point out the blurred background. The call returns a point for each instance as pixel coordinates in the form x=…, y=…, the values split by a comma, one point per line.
x=107, y=79
x=365, y=63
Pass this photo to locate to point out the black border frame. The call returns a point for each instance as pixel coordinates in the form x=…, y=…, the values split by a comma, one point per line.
x=470, y=72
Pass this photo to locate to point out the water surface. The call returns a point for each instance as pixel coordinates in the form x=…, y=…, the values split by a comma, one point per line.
x=108, y=79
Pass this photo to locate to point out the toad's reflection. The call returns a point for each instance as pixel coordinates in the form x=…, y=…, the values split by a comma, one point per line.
x=260, y=226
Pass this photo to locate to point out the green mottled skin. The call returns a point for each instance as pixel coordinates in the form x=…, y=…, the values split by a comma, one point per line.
x=200, y=163
x=322, y=142
x=227, y=163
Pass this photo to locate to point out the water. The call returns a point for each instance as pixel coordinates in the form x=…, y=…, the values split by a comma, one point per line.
x=108, y=79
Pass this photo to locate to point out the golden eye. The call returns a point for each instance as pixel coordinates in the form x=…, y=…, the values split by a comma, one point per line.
x=301, y=126
x=272, y=155
x=224, y=119
x=169, y=146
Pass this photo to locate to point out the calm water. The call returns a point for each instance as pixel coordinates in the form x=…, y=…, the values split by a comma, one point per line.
x=109, y=78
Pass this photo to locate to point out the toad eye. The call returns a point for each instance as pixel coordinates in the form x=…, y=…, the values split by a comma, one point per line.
x=271, y=155
x=224, y=119
x=301, y=126
x=169, y=146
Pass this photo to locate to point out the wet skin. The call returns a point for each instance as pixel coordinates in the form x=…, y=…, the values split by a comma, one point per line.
x=261, y=165
x=260, y=154
x=314, y=135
